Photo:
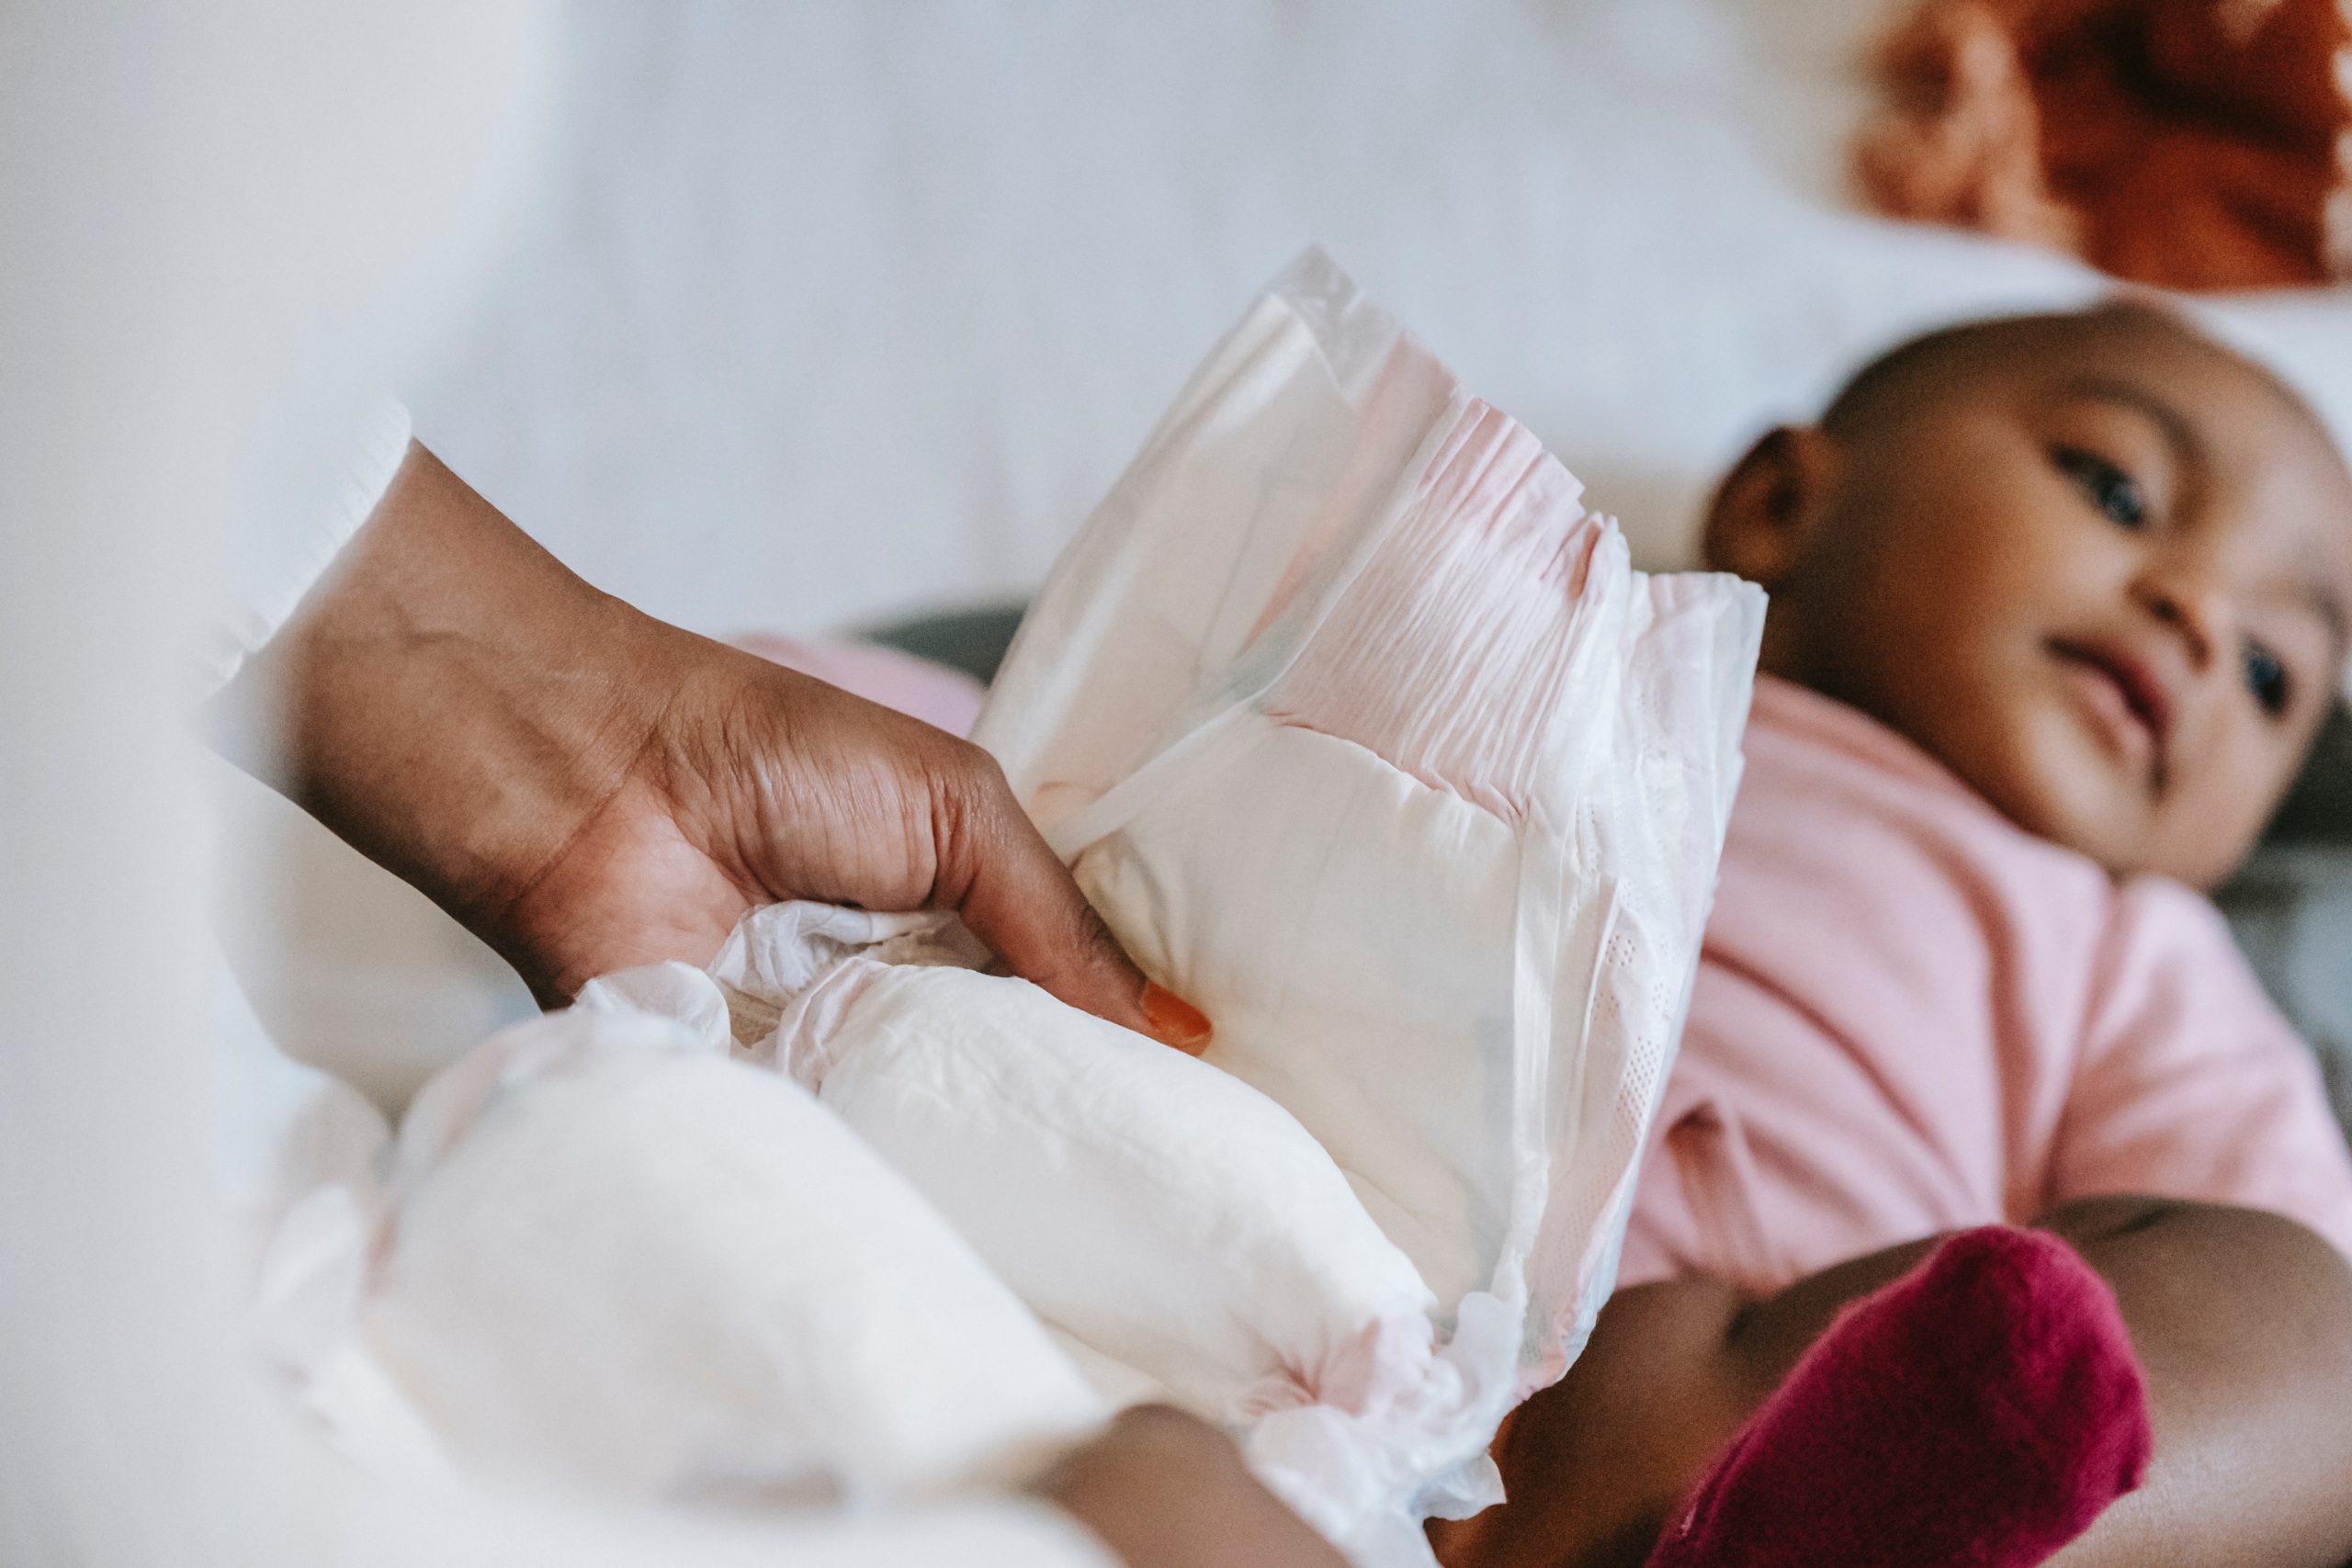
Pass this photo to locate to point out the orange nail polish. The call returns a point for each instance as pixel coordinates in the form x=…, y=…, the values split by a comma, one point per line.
x=1175, y=1021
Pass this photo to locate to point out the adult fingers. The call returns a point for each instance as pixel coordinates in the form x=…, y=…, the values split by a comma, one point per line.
x=998, y=872
x=1162, y=1488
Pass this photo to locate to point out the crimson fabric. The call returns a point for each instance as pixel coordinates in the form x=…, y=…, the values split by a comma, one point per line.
x=1982, y=1410
x=2187, y=143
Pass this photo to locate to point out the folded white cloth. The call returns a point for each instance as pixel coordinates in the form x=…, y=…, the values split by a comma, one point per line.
x=607, y=1255
x=1162, y=1212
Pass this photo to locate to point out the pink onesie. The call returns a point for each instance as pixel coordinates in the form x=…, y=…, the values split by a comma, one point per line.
x=1912, y=1016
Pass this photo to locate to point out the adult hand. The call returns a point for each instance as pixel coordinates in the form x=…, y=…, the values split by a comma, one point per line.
x=586, y=788
x=1163, y=1489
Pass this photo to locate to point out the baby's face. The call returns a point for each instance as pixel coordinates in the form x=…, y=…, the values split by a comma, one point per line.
x=2102, y=571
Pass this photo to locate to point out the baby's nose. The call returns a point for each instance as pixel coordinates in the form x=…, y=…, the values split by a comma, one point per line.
x=2194, y=603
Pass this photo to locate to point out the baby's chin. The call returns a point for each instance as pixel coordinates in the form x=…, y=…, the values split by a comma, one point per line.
x=2036, y=765
x=2045, y=772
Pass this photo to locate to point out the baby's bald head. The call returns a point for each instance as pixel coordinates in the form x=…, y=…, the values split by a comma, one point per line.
x=1913, y=370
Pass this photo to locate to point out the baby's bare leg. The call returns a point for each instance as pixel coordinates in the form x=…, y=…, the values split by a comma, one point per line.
x=2242, y=1322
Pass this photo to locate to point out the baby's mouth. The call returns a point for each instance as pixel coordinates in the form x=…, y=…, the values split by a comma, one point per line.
x=2124, y=697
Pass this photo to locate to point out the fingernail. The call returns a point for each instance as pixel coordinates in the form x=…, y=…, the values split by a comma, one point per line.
x=1175, y=1021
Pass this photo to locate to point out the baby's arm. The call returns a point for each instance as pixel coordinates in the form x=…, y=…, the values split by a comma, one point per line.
x=2242, y=1322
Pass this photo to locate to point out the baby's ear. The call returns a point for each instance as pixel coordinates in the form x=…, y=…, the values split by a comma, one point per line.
x=1768, y=506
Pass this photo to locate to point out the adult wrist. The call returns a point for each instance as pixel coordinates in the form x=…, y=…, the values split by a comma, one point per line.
x=450, y=700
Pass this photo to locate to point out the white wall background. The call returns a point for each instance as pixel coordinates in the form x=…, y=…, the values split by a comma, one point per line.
x=832, y=311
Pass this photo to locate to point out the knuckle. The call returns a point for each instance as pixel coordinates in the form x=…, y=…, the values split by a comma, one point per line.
x=985, y=772
x=971, y=806
x=983, y=797
x=960, y=764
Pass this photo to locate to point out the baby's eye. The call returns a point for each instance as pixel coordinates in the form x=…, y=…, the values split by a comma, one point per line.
x=2110, y=489
x=2265, y=677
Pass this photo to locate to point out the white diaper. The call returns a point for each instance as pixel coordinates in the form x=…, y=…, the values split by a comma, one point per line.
x=1363, y=736
x=1367, y=738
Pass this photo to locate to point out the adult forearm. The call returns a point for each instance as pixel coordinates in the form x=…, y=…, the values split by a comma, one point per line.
x=430, y=701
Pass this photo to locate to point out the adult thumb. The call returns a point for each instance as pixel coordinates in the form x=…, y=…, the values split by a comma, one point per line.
x=1000, y=874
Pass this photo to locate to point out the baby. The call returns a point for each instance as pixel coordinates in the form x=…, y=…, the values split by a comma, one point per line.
x=2058, y=604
